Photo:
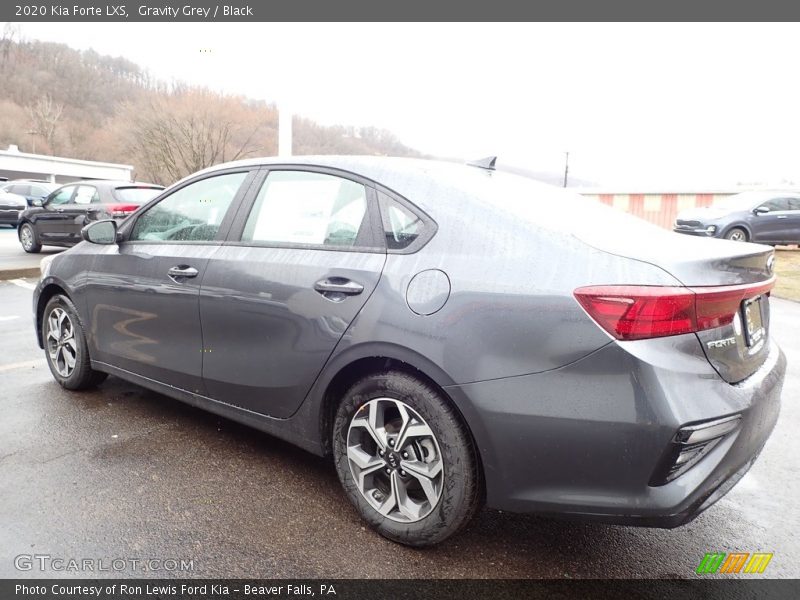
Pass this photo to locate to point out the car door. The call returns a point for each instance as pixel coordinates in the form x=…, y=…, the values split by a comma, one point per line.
x=790, y=230
x=142, y=294
x=76, y=212
x=51, y=221
x=766, y=227
x=301, y=260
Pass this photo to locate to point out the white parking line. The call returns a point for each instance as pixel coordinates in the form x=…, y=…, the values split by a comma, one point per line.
x=22, y=283
x=9, y=318
x=22, y=365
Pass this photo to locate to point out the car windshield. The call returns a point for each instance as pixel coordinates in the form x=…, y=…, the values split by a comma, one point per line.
x=136, y=195
x=744, y=201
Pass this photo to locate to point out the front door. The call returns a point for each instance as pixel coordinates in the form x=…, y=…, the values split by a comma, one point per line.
x=142, y=294
x=277, y=298
x=51, y=220
x=769, y=227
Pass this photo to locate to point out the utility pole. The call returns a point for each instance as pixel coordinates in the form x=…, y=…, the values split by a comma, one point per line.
x=33, y=133
x=566, y=167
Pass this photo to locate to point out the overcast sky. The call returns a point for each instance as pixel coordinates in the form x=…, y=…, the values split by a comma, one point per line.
x=636, y=105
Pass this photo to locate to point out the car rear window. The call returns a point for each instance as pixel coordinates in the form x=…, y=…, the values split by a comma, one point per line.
x=136, y=195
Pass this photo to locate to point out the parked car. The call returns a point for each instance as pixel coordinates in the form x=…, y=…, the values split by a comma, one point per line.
x=30, y=189
x=58, y=220
x=11, y=207
x=763, y=217
x=441, y=330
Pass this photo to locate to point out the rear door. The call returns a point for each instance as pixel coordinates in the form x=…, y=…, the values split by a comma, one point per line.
x=302, y=259
x=790, y=230
x=142, y=294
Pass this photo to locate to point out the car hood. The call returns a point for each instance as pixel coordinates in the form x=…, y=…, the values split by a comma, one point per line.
x=703, y=214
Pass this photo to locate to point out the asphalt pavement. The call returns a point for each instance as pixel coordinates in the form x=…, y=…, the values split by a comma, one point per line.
x=121, y=473
x=14, y=261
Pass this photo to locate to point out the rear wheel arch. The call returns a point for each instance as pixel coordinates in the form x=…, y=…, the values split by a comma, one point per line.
x=348, y=374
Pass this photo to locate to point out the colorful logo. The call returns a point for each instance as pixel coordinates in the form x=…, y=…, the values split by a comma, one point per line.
x=736, y=562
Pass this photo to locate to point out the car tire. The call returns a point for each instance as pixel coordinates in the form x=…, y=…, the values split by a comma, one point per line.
x=29, y=239
x=736, y=234
x=65, y=346
x=426, y=488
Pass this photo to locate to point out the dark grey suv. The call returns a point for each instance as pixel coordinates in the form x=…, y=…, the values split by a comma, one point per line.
x=441, y=330
x=763, y=217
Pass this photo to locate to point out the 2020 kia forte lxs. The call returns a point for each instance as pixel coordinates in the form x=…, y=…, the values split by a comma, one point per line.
x=441, y=330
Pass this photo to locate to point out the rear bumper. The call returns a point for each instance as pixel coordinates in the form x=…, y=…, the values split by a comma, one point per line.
x=10, y=216
x=584, y=440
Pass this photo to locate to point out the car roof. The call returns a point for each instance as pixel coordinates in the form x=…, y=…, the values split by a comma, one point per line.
x=361, y=165
x=113, y=183
x=31, y=182
x=423, y=181
x=768, y=193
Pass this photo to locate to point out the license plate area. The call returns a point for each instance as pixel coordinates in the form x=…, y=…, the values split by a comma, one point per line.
x=753, y=321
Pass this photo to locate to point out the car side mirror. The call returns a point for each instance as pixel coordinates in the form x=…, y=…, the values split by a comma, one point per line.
x=100, y=232
x=761, y=210
x=37, y=202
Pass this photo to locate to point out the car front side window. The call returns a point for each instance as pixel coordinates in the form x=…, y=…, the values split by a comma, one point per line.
x=776, y=204
x=191, y=214
x=62, y=196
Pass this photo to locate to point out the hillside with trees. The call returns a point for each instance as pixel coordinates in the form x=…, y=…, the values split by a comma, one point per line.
x=62, y=101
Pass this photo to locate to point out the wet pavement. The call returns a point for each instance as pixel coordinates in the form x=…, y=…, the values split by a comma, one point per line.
x=124, y=473
x=14, y=258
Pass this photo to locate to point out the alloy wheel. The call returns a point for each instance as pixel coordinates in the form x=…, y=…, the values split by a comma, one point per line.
x=26, y=237
x=395, y=460
x=61, y=346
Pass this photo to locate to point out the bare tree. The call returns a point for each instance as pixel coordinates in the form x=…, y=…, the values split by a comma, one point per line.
x=10, y=36
x=189, y=130
x=45, y=114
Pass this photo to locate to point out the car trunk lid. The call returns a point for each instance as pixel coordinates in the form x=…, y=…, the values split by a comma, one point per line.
x=709, y=267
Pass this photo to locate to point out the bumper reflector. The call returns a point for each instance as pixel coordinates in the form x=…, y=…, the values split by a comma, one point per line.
x=690, y=445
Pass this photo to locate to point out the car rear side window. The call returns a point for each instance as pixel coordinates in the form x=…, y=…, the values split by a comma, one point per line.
x=305, y=208
x=191, y=214
x=401, y=226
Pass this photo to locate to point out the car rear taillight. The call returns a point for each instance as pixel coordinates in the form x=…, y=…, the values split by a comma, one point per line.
x=122, y=210
x=634, y=312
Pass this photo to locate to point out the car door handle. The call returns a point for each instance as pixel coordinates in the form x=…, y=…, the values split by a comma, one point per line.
x=182, y=271
x=59, y=210
x=338, y=285
x=782, y=216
